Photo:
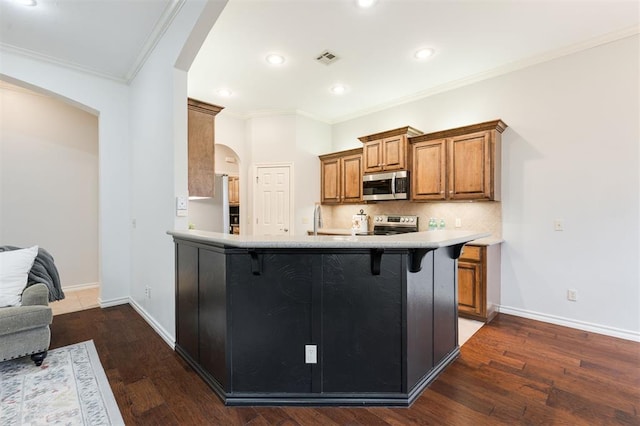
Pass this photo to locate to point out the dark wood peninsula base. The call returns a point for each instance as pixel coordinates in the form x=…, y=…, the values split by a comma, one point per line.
x=383, y=321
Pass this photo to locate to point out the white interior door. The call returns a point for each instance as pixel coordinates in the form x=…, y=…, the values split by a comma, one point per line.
x=273, y=200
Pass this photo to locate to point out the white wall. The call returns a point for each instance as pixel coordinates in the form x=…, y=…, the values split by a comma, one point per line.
x=296, y=139
x=570, y=153
x=270, y=139
x=147, y=121
x=231, y=132
x=224, y=167
x=110, y=101
x=158, y=122
x=313, y=138
x=49, y=181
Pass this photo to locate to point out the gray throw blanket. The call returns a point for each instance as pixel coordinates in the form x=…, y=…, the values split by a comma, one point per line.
x=43, y=271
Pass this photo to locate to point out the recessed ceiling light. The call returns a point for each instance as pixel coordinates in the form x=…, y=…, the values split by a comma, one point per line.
x=366, y=3
x=225, y=92
x=338, y=89
x=275, y=59
x=424, y=53
x=27, y=2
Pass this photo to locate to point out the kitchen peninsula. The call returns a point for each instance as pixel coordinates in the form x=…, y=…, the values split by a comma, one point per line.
x=318, y=320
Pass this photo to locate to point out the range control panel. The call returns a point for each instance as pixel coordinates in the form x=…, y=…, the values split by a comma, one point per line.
x=395, y=220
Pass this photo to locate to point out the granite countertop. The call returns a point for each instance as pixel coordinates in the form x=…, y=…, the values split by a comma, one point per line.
x=433, y=239
x=485, y=241
x=333, y=231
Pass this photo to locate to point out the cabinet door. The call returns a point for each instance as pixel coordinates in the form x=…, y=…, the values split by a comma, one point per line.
x=373, y=157
x=330, y=181
x=234, y=191
x=470, y=167
x=428, y=175
x=361, y=324
x=352, y=179
x=394, y=153
x=230, y=190
x=445, y=311
x=271, y=321
x=212, y=291
x=470, y=300
x=187, y=300
x=201, y=153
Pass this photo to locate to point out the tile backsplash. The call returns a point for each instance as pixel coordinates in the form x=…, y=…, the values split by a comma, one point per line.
x=485, y=216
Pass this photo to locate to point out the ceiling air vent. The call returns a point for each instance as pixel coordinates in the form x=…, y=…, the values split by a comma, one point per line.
x=327, y=57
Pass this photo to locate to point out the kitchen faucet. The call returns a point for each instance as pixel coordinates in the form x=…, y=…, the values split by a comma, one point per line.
x=317, y=218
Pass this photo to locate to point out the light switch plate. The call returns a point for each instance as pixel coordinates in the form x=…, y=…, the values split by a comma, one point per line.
x=181, y=203
x=181, y=206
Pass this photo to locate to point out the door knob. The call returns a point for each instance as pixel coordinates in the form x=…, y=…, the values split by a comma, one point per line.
x=285, y=230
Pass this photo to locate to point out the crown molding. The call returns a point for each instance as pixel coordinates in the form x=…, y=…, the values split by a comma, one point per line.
x=8, y=48
x=154, y=37
x=165, y=20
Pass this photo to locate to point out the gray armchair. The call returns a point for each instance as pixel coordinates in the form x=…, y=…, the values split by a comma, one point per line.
x=24, y=330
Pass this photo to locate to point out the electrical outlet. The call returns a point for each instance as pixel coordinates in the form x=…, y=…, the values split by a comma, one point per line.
x=147, y=292
x=458, y=222
x=572, y=295
x=558, y=225
x=310, y=354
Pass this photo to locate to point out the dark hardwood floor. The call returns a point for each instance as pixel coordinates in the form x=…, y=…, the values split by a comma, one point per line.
x=513, y=371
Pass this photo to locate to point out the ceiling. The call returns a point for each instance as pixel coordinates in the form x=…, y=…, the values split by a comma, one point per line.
x=110, y=38
x=472, y=40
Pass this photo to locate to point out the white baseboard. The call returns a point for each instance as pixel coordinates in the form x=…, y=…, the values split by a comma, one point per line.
x=169, y=340
x=571, y=323
x=77, y=287
x=113, y=302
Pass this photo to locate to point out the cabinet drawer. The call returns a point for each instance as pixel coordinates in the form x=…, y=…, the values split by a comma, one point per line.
x=471, y=253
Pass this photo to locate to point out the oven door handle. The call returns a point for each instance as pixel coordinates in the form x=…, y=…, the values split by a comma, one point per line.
x=393, y=185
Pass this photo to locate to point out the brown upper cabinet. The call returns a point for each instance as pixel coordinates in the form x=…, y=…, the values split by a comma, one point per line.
x=457, y=164
x=201, y=147
x=234, y=191
x=341, y=177
x=387, y=151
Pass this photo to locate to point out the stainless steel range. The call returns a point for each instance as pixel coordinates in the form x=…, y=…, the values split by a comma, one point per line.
x=394, y=224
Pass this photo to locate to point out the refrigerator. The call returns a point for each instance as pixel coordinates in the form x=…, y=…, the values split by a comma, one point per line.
x=212, y=214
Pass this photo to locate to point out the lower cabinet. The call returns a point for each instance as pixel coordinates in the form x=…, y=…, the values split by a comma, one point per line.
x=479, y=282
x=200, y=309
x=383, y=322
x=362, y=320
x=187, y=330
x=270, y=324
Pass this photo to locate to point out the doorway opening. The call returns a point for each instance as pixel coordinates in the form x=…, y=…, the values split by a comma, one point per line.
x=49, y=190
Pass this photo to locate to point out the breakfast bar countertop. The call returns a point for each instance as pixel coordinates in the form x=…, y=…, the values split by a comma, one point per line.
x=428, y=239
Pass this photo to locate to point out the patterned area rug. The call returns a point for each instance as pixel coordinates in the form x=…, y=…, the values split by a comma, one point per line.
x=69, y=388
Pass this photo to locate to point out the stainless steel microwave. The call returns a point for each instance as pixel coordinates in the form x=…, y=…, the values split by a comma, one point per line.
x=386, y=186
